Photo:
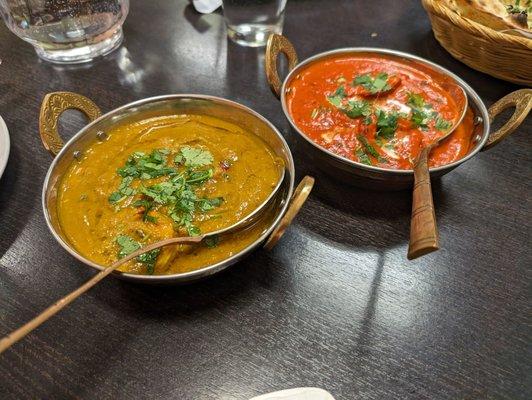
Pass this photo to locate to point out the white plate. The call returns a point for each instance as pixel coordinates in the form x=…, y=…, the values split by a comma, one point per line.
x=306, y=393
x=4, y=146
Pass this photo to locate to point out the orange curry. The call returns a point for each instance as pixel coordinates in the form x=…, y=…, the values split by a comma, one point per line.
x=378, y=110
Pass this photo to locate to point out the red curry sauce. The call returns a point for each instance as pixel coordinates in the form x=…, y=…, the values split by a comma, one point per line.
x=378, y=110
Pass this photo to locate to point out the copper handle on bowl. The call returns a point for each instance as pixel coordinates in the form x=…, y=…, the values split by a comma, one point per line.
x=296, y=202
x=278, y=44
x=522, y=101
x=53, y=105
x=423, y=230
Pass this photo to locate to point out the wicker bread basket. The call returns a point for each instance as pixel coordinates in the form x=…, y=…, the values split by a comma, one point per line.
x=501, y=55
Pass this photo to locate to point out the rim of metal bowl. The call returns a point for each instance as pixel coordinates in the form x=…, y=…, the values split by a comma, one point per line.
x=205, y=271
x=469, y=90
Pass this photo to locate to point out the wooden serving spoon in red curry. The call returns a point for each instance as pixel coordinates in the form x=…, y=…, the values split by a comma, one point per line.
x=424, y=237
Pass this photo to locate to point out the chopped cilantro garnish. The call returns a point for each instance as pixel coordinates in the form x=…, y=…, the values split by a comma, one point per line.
x=193, y=230
x=363, y=157
x=127, y=246
x=386, y=123
x=142, y=166
x=197, y=177
x=518, y=9
x=421, y=118
x=124, y=190
x=442, y=124
x=416, y=100
x=178, y=193
x=336, y=98
x=194, y=157
x=422, y=114
x=163, y=193
x=209, y=204
x=373, y=85
x=149, y=259
x=368, y=148
x=353, y=108
x=148, y=206
x=357, y=109
x=179, y=196
x=115, y=197
x=212, y=241
x=421, y=111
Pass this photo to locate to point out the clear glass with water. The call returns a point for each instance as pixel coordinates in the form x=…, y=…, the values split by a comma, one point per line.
x=250, y=22
x=67, y=31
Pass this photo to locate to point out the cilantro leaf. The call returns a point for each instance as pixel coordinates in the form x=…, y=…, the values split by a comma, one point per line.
x=386, y=123
x=149, y=259
x=179, y=159
x=353, y=108
x=124, y=190
x=517, y=8
x=209, y=204
x=197, y=177
x=442, y=124
x=420, y=118
x=357, y=109
x=127, y=245
x=380, y=83
x=363, y=80
x=148, y=206
x=115, y=197
x=373, y=85
x=368, y=148
x=415, y=100
x=363, y=157
x=421, y=111
x=193, y=230
x=140, y=165
x=212, y=241
x=336, y=98
x=422, y=114
x=176, y=193
x=194, y=157
x=161, y=193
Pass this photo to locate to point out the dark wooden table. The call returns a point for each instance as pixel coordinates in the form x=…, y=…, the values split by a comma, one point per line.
x=334, y=305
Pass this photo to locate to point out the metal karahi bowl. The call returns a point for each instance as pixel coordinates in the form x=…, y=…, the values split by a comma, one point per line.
x=283, y=203
x=376, y=177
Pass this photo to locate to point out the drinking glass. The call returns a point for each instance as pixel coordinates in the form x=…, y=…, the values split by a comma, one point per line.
x=250, y=22
x=67, y=31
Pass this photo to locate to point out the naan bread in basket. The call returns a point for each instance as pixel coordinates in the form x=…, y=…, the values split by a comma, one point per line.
x=513, y=16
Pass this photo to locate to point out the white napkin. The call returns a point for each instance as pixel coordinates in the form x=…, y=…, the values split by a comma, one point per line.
x=297, y=394
x=206, y=6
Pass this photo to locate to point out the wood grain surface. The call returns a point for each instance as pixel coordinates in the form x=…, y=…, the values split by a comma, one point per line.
x=335, y=304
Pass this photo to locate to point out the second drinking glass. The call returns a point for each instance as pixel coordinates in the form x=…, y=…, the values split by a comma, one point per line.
x=250, y=22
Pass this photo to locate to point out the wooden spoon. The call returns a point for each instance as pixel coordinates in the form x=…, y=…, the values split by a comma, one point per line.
x=423, y=230
x=18, y=334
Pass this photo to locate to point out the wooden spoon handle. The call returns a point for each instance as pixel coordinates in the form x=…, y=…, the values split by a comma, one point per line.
x=423, y=229
x=18, y=334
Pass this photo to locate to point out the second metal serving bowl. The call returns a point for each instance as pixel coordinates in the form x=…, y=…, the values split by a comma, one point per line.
x=284, y=204
x=381, y=178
